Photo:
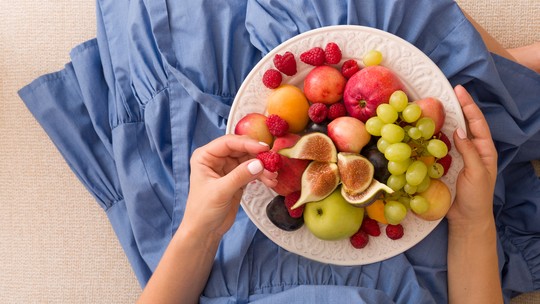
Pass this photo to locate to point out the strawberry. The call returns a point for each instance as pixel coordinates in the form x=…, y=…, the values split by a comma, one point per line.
x=394, y=232
x=332, y=53
x=271, y=160
x=314, y=56
x=290, y=200
x=272, y=78
x=349, y=68
x=285, y=63
x=360, y=239
x=336, y=110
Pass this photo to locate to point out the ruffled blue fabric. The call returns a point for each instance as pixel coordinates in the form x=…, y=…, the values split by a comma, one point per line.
x=158, y=82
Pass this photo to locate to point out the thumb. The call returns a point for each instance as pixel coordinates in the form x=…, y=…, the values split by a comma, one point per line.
x=467, y=149
x=242, y=175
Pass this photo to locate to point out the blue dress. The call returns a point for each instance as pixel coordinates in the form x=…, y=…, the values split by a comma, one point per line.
x=158, y=81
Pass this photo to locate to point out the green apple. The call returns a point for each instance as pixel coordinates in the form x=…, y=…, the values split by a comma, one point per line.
x=333, y=218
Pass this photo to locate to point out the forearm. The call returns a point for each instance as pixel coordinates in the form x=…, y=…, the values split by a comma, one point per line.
x=473, y=274
x=183, y=270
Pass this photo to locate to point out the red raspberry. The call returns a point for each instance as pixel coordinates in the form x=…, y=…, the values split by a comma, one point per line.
x=371, y=227
x=272, y=78
x=277, y=125
x=394, y=232
x=445, y=139
x=314, y=56
x=349, y=68
x=336, y=110
x=290, y=200
x=271, y=160
x=332, y=53
x=360, y=239
x=285, y=63
x=446, y=162
x=318, y=112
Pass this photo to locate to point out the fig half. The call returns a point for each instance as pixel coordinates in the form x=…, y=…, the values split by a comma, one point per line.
x=318, y=181
x=368, y=196
x=355, y=171
x=313, y=146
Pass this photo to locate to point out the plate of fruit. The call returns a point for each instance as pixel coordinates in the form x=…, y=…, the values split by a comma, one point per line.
x=359, y=124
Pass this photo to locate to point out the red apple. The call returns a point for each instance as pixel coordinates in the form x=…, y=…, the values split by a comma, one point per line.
x=367, y=89
x=434, y=109
x=324, y=84
x=254, y=126
x=348, y=134
x=289, y=177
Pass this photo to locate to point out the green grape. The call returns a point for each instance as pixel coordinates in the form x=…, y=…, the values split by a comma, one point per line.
x=409, y=189
x=394, y=212
x=405, y=200
x=426, y=126
x=414, y=133
x=424, y=185
x=411, y=113
x=374, y=125
x=382, y=144
x=419, y=204
x=392, y=133
x=398, y=167
x=437, y=148
x=397, y=152
x=399, y=100
x=372, y=57
x=406, y=137
x=436, y=170
x=416, y=172
x=387, y=113
x=396, y=182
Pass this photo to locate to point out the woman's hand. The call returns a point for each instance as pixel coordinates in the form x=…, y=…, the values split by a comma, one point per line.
x=219, y=172
x=476, y=182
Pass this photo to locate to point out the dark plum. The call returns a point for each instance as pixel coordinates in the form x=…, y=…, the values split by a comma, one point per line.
x=277, y=214
x=315, y=127
x=380, y=163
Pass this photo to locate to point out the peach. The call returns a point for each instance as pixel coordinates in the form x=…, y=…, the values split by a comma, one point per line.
x=324, y=84
x=439, y=198
x=348, y=134
x=434, y=109
x=254, y=126
x=289, y=177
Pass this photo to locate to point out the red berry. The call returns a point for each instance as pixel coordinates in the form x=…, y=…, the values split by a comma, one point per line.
x=445, y=139
x=394, y=232
x=285, y=63
x=271, y=160
x=446, y=162
x=272, y=78
x=318, y=112
x=277, y=125
x=314, y=56
x=371, y=227
x=332, y=53
x=360, y=239
x=290, y=200
x=336, y=110
x=349, y=68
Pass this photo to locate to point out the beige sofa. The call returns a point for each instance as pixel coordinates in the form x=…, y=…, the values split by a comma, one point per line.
x=56, y=245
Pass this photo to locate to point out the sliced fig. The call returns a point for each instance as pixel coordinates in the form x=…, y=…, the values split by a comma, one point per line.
x=318, y=181
x=368, y=196
x=313, y=146
x=355, y=171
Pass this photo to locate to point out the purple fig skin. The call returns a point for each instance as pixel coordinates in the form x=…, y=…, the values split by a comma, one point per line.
x=367, y=89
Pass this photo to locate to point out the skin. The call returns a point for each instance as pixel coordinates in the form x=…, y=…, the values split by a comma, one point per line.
x=222, y=166
x=473, y=275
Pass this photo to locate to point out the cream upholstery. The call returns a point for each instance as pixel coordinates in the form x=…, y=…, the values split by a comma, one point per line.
x=56, y=245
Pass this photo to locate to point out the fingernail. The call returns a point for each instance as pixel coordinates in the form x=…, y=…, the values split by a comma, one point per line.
x=461, y=133
x=263, y=143
x=255, y=167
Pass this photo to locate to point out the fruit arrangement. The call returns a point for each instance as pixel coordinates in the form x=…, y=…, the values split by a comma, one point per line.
x=353, y=154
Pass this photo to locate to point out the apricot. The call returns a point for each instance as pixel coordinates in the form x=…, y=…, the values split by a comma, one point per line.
x=289, y=103
x=375, y=211
x=439, y=198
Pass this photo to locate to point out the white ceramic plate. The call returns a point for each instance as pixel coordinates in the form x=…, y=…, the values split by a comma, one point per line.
x=421, y=77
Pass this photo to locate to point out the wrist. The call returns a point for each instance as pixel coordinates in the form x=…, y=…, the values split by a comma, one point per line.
x=197, y=237
x=472, y=229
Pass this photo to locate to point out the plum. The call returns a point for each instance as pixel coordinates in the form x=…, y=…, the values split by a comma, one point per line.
x=279, y=215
